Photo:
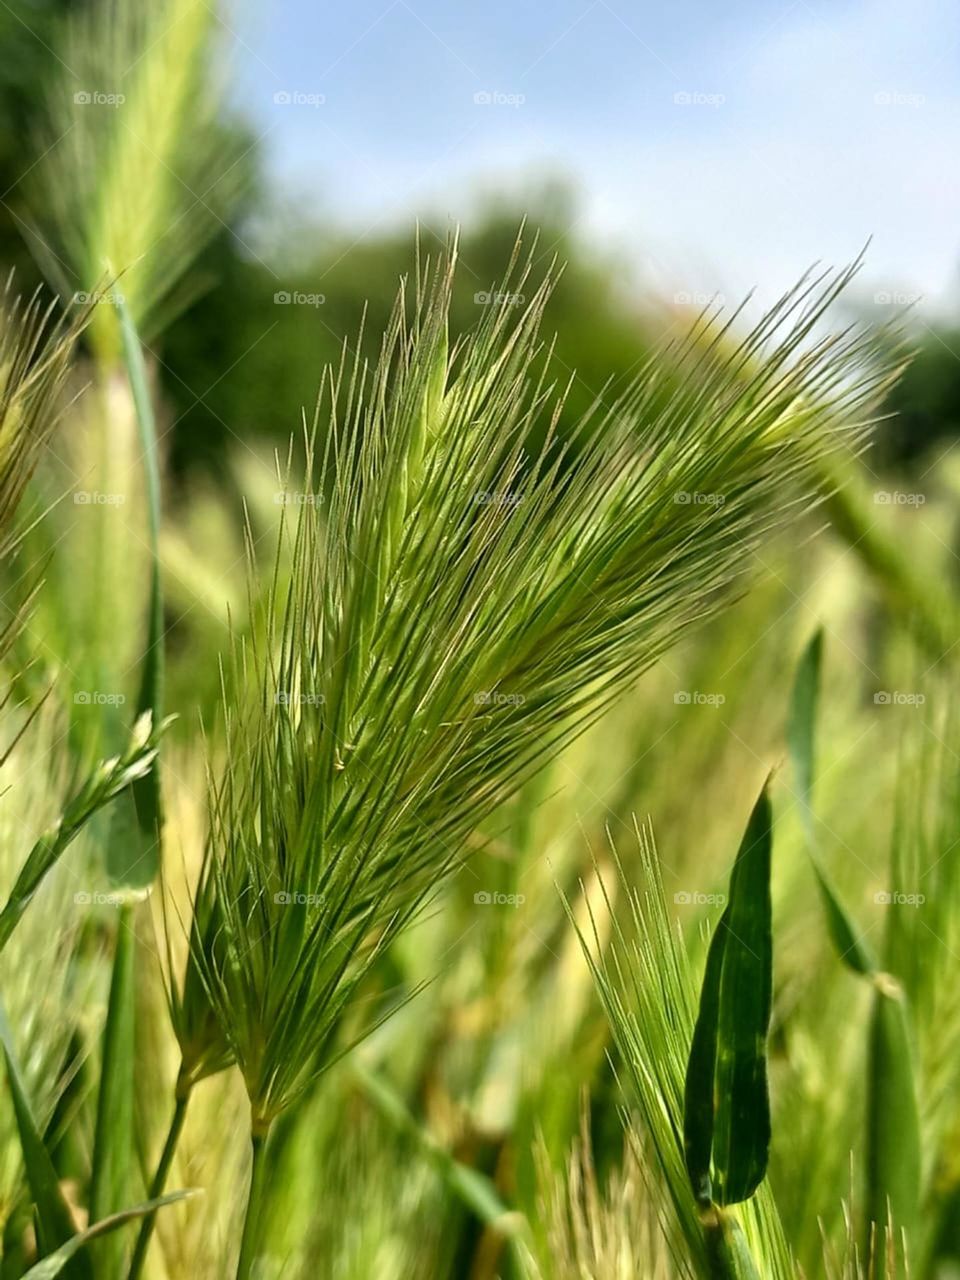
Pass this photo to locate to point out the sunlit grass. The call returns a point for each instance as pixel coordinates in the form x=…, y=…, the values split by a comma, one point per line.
x=374, y=945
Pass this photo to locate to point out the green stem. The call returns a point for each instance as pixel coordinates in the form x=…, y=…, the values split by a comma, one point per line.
x=114, y=1126
x=469, y=1185
x=250, y=1241
x=728, y=1254
x=159, y=1182
x=146, y=792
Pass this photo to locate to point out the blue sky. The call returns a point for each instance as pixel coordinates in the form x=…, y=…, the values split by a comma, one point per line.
x=716, y=146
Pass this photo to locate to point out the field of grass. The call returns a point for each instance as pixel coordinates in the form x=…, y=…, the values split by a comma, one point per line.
x=521, y=839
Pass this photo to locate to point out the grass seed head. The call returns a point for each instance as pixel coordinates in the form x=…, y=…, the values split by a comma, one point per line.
x=461, y=603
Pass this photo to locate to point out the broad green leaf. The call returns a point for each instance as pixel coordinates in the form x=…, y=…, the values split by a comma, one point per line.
x=726, y=1102
x=699, y=1101
x=55, y=1224
x=893, y=1121
x=850, y=945
x=114, y=1137
x=52, y=1266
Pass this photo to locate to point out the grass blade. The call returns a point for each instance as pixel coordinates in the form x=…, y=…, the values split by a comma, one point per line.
x=726, y=1103
x=893, y=1143
x=106, y=781
x=114, y=1140
x=52, y=1266
x=133, y=860
x=133, y=851
x=893, y=1122
x=802, y=724
x=850, y=945
x=54, y=1220
x=469, y=1185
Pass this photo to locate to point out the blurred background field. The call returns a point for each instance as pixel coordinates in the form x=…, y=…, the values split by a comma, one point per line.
x=461, y=1140
x=325, y=221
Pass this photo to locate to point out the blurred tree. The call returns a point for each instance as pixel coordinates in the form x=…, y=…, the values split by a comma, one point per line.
x=245, y=361
x=925, y=404
x=26, y=34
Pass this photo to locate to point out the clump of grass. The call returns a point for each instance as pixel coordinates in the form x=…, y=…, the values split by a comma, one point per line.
x=592, y=1230
x=35, y=361
x=892, y=1127
x=646, y=985
x=41, y=988
x=462, y=589
x=108, y=780
x=701, y=1085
